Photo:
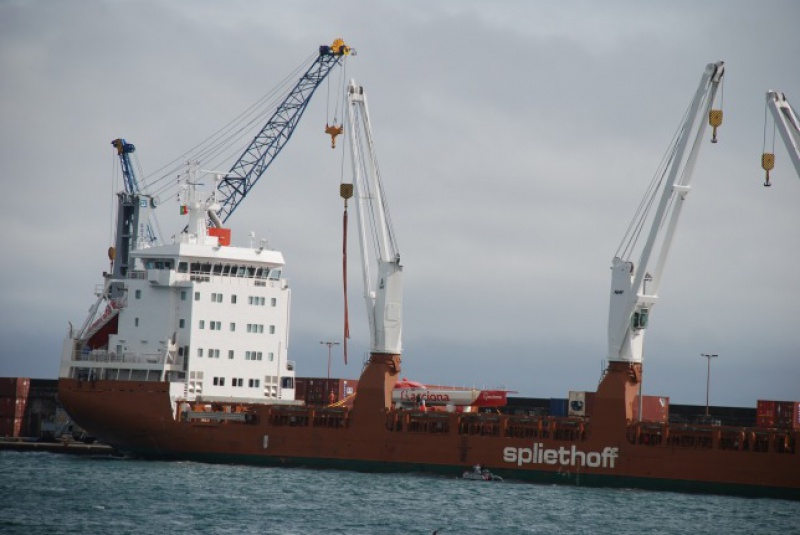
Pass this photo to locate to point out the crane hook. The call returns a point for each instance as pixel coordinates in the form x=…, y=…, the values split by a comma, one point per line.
x=333, y=131
x=714, y=119
x=767, y=163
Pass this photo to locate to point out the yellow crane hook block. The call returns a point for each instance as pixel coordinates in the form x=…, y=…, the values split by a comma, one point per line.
x=767, y=163
x=714, y=119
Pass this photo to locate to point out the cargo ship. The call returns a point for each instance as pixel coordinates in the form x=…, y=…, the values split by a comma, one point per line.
x=184, y=356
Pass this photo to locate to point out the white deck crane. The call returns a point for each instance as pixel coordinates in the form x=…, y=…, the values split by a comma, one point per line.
x=380, y=257
x=789, y=127
x=634, y=286
x=382, y=272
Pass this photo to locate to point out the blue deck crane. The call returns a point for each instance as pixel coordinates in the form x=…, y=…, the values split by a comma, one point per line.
x=124, y=150
x=278, y=130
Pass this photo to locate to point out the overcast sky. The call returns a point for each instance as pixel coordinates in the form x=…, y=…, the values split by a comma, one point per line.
x=515, y=139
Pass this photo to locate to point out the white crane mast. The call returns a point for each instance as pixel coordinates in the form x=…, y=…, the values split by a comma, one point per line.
x=634, y=286
x=382, y=291
x=788, y=125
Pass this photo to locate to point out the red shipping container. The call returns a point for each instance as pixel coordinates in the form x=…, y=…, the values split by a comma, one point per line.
x=654, y=409
x=765, y=413
x=14, y=387
x=12, y=407
x=10, y=427
x=781, y=414
x=317, y=390
x=786, y=414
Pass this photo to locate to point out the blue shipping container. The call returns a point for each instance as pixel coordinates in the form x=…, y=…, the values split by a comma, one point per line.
x=558, y=406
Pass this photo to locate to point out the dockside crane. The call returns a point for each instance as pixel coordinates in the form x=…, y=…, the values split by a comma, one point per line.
x=788, y=126
x=635, y=285
x=267, y=144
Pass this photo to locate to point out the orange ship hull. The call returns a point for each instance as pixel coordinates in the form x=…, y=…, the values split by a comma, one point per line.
x=606, y=450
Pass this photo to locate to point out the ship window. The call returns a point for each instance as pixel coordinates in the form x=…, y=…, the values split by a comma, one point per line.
x=234, y=269
x=271, y=329
x=287, y=382
x=180, y=352
x=233, y=299
x=202, y=324
x=159, y=265
x=273, y=301
x=199, y=351
x=168, y=264
x=135, y=322
x=197, y=296
x=226, y=270
x=221, y=381
x=259, y=355
x=181, y=323
x=195, y=267
x=265, y=274
x=275, y=274
x=183, y=267
x=138, y=294
x=217, y=269
x=148, y=264
x=271, y=356
x=251, y=272
x=259, y=273
x=230, y=354
x=183, y=295
x=233, y=327
x=206, y=268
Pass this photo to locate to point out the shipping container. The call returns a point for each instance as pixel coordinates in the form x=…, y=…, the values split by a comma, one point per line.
x=12, y=407
x=765, y=413
x=654, y=409
x=14, y=387
x=781, y=414
x=558, y=406
x=322, y=391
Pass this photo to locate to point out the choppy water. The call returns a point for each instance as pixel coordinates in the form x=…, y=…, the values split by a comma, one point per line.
x=61, y=494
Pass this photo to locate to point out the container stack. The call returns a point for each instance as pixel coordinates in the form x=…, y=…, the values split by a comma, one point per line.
x=320, y=391
x=13, y=400
x=780, y=414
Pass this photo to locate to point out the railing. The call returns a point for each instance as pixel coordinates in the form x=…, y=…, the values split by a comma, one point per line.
x=715, y=437
x=98, y=355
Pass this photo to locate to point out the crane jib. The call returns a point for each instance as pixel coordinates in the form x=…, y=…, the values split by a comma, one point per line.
x=268, y=143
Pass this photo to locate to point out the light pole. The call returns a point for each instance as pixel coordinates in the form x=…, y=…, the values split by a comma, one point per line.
x=330, y=345
x=708, y=356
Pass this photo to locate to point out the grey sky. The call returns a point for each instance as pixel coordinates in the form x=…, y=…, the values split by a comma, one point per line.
x=515, y=140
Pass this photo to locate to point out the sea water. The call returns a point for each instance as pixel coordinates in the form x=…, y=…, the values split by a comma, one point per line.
x=62, y=494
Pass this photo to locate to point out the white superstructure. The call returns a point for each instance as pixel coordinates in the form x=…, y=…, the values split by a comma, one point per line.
x=210, y=318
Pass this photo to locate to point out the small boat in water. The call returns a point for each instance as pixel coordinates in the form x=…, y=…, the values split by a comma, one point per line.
x=480, y=474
